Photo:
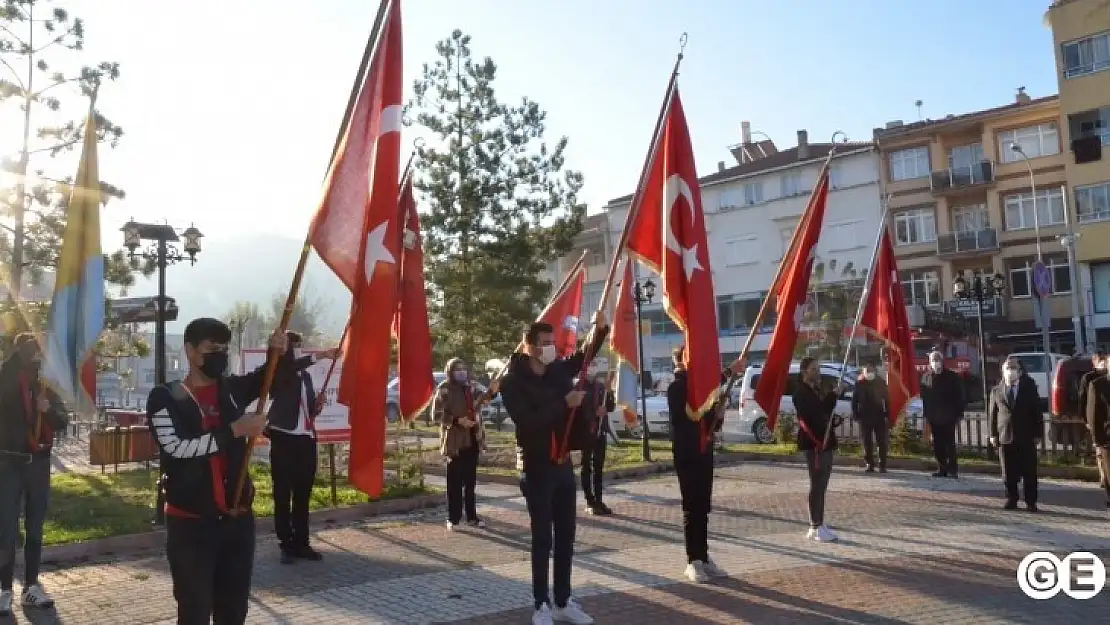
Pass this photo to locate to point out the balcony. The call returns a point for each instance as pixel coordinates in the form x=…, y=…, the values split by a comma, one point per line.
x=959, y=179
x=972, y=243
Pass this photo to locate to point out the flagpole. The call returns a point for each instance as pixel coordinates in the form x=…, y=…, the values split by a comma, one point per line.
x=867, y=283
x=787, y=256
x=644, y=173
x=291, y=300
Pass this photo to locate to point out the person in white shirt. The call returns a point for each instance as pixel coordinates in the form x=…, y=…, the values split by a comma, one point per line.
x=292, y=432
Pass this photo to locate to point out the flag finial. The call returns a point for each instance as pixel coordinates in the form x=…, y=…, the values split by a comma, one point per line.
x=682, y=44
x=839, y=133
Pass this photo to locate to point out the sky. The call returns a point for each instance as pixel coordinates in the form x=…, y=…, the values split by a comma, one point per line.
x=230, y=107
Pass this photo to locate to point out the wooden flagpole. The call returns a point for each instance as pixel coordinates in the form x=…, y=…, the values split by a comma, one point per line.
x=291, y=300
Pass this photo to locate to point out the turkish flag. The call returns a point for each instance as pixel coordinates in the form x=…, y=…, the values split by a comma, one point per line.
x=623, y=344
x=410, y=322
x=356, y=231
x=790, y=303
x=668, y=233
x=884, y=318
x=564, y=311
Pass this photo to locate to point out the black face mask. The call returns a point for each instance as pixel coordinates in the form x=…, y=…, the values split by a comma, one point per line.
x=215, y=364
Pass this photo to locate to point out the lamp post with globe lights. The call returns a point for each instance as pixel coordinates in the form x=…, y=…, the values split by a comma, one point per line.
x=158, y=239
x=643, y=294
x=979, y=289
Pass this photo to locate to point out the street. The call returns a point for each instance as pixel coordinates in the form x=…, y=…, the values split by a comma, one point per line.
x=913, y=550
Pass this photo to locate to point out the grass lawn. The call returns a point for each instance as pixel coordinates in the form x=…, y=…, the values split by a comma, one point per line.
x=90, y=506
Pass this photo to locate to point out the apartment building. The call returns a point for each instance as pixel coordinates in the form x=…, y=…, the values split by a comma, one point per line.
x=1081, y=37
x=962, y=202
x=752, y=209
x=595, y=241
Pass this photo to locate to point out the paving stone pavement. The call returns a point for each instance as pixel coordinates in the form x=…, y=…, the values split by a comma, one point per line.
x=913, y=550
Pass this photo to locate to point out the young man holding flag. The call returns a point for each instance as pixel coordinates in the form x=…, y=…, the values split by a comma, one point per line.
x=540, y=395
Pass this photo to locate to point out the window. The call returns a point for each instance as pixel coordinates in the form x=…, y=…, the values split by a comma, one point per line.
x=841, y=236
x=1100, y=287
x=965, y=156
x=659, y=324
x=1019, y=208
x=1021, y=276
x=753, y=193
x=1092, y=203
x=785, y=234
x=742, y=250
x=791, y=184
x=591, y=297
x=1093, y=123
x=730, y=198
x=970, y=218
x=921, y=287
x=1087, y=56
x=915, y=226
x=739, y=314
x=909, y=163
x=1035, y=141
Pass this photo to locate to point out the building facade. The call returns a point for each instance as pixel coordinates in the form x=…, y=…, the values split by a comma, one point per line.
x=751, y=211
x=962, y=202
x=1081, y=37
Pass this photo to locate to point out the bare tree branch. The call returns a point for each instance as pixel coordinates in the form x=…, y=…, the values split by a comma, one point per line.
x=19, y=80
x=57, y=84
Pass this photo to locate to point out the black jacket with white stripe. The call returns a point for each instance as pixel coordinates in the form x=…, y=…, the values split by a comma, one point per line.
x=186, y=449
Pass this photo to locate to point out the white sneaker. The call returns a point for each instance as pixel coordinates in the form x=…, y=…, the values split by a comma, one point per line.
x=452, y=526
x=572, y=613
x=6, y=598
x=826, y=535
x=811, y=534
x=712, y=570
x=542, y=616
x=695, y=572
x=35, y=597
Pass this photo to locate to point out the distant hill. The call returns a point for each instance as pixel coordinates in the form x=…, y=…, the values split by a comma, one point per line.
x=248, y=268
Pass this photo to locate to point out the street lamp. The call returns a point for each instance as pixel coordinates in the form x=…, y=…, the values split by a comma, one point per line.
x=979, y=289
x=1046, y=317
x=163, y=254
x=643, y=294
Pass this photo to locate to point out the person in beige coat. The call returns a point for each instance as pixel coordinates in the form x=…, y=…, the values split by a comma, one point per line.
x=461, y=439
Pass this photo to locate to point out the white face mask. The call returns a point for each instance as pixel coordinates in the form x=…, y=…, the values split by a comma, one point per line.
x=298, y=353
x=548, y=354
x=1010, y=374
x=937, y=365
x=870, y=375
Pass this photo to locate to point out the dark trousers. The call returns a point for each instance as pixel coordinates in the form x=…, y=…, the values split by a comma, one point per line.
x=211, y=562
x=550, y=492
x=24, y=488
x=593, y=469
x=944, y=448
x=820, y=467
x=293, y=468
x=462, y=477
x=695, y=483
x=1019, y=464
x=875, y=433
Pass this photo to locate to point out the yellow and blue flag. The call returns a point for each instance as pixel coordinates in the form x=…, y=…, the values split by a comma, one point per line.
x=77, y=310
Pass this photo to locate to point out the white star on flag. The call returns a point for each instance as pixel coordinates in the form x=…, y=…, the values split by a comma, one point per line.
x=376, y=251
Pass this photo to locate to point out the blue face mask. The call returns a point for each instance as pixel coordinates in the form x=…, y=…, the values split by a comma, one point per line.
x=460, y=376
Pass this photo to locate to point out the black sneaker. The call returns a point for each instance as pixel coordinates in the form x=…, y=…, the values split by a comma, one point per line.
x=940, y=474
x=288, y=557
x=870, y=468
x=601, y=509
x=1010, y=505
x=1032, y=507
x=882, y=469
x=308, y=553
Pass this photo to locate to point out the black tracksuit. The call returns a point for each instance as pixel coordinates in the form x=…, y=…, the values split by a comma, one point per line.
x=537, y=405
x=210, y=550
x=942, y=400
x=693, y=462
x=593, y=456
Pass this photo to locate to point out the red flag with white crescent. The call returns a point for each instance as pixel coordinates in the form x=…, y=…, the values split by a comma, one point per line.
x=415, y=384
x=564, y=311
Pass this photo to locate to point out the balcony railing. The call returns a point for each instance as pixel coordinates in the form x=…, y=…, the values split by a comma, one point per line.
x=955, y=178
x=954, y=243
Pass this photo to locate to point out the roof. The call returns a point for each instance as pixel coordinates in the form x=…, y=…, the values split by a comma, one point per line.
x=816, y=152
x=911, y=128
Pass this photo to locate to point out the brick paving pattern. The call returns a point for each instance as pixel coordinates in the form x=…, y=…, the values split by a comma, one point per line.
x=914, y=550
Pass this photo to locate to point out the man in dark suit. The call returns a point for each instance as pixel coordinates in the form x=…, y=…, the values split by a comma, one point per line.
x=1096, y=409
x=943, y=401
x=292, y=433
x=1016, y=426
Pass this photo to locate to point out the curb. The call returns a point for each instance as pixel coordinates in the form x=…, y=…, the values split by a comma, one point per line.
x=1076, y=473
x=155, y=539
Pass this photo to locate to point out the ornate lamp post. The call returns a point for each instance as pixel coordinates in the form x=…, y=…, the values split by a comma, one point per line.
x=979, y=289
x=643, y=293
x=158, y=238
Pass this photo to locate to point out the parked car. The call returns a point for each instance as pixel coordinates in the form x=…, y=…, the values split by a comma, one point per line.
x=1036, y=368
x=392, y=400
x=1068, y=418
x=754, y=419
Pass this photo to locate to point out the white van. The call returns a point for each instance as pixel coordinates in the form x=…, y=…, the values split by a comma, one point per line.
x=753, y=419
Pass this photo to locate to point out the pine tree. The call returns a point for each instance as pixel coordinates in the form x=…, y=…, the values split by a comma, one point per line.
x=499, y=205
